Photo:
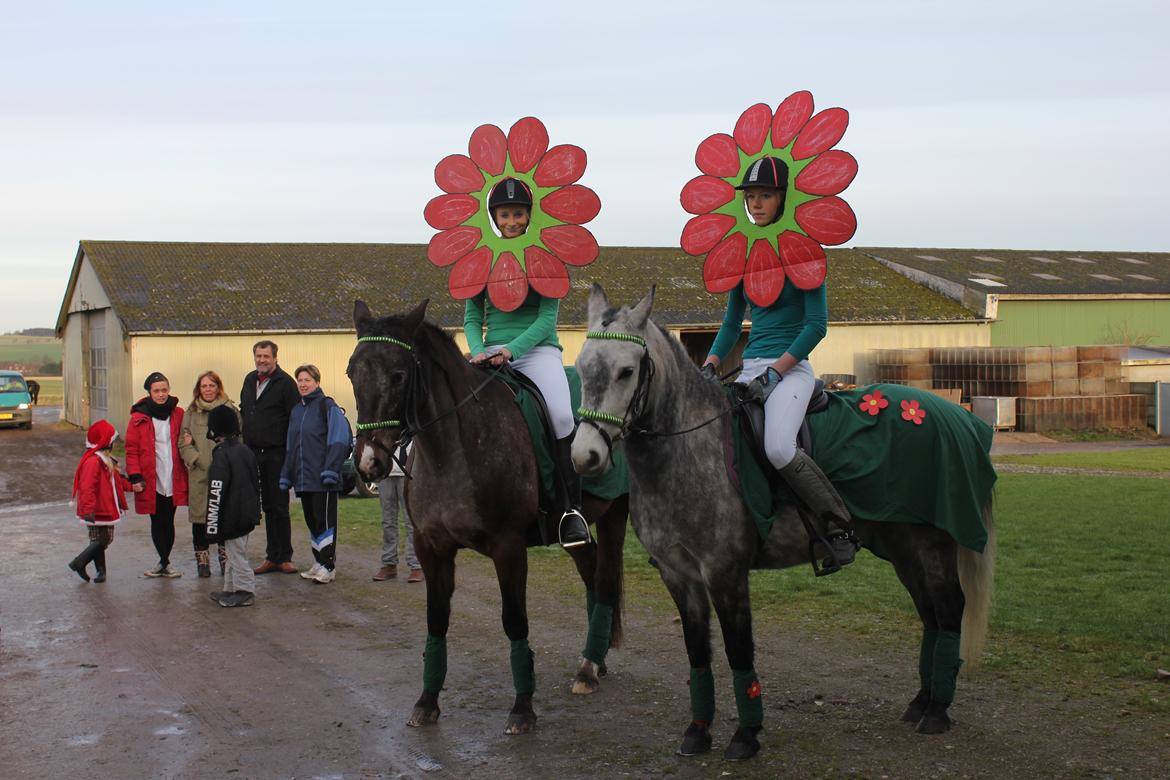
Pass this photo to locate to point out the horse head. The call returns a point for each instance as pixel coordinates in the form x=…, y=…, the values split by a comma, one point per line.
x=382, y=368
x=615, y=370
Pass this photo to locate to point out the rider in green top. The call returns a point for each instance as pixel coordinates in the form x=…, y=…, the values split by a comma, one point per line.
x=527, y=339
x=776, y=367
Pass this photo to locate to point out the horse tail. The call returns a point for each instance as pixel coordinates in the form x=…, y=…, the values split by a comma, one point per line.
x=977, y=578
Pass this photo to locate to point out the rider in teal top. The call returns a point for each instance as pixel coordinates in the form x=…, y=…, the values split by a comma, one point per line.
x=776, y=367
x=527, y=339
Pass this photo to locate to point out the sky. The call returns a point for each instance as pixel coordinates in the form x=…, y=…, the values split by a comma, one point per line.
x=994, y=125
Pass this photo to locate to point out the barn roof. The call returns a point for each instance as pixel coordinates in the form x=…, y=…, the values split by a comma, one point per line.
x=1028, y=272
x=166, y=287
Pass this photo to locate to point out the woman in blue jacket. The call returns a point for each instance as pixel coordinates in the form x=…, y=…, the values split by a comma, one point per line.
x=319, y=441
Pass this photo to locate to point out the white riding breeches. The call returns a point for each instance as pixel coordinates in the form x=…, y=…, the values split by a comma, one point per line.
x=544, y=367
x=785, y=408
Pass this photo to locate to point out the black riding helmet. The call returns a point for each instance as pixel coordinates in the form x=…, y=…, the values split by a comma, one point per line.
x=510, y=192
x=766, y=172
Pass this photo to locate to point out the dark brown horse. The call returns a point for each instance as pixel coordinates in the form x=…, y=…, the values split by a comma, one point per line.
x=474, y=485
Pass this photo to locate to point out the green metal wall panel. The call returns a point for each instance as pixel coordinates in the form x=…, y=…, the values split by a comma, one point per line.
x=1068, y=323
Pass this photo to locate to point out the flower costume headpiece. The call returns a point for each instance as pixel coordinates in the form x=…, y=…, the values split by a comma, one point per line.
x=763, y=256
x=555, y=238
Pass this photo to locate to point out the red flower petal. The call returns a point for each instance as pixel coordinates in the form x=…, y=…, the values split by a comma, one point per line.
x=827, y=220
x=507, y=285
x=571, y=244
x=718, y=155
x=764, y=278
x=470, y=274
x=702, y=233
x=560, y=165
x=546, y=274
x=527, y=141
x=752, y=128
x=575, y=204
x=723, y=268
x=821, y=132
x=447, y=211
x=450, y=245
x=456, y=173
x=803, y=259
x=790, y=116
x=488, y=148
x=829, y=174
x=705, y=193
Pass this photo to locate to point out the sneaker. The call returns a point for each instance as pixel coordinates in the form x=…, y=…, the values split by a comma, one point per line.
x=216, y=595
x=157, y=571
x=170, y=572
x=416, y=575
x=325, y=576
x=313, y=571
x=241, y=598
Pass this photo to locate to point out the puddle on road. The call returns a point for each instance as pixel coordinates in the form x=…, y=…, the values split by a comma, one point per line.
x=82, y=740
x=169, y=731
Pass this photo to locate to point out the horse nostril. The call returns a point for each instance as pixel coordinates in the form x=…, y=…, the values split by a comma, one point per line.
x=594, y=459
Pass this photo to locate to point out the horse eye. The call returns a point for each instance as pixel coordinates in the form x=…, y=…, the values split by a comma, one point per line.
x=626, y=373
x=397, y=378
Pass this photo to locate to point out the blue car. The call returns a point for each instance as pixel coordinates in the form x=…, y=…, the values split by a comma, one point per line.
x=15, y=401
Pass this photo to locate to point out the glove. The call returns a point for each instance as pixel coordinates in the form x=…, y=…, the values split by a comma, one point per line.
x=709, y=373
x=762, y=386
x=89, y=518
x=285, y=484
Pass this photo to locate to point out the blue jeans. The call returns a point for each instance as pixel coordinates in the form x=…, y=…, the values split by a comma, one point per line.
x=391, y=492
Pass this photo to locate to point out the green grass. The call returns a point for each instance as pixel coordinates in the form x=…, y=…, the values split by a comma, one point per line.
x=30, y=350
x=1101, y=434
x=52, y=390
x=1145, y=459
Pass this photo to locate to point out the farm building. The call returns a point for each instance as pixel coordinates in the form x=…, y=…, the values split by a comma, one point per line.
x=132, y=307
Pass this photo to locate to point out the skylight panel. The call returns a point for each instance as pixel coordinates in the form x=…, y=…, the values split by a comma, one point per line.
x=1133, y=261
x=931, y=258
x=1049, y=277
x=1084, y=260
x=987, y=259
x=1045, y=260
x=1142, y=277
x=986, y=282
x=1105, y=277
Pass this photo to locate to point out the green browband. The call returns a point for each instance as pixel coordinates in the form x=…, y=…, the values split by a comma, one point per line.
x=590, y=414
x=377, y=425
x=385, y=340
x=602, y=334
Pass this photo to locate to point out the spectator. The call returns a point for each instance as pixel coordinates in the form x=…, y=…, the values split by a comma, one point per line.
x=99, y=496
x=157, y=474
x=233, y=505
x=392, y=493
x=195, y=447
x=319, y=441
x=266, y=399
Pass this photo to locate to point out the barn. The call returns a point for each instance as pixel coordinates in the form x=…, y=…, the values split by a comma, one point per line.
x=132, y=307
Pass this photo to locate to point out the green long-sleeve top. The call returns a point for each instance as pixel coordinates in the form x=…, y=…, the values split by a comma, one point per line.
x=533, y=324
x=795, y=323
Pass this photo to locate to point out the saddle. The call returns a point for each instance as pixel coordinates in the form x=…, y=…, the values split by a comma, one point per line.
x=751, y=421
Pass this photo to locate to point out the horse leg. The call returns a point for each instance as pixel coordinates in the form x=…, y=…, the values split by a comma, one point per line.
x=585, y=559
x=603, y=582
x=732, y=599
x=511, y=560
x=439, y=567
x=690, y=596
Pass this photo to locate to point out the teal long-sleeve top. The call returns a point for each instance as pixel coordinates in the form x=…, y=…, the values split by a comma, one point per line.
x=532, y=324
x=795, y=323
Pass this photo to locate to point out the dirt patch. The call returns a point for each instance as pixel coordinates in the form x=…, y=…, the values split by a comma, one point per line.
x=37, y=460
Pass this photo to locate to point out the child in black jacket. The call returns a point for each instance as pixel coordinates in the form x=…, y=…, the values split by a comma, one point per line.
x=233, y=506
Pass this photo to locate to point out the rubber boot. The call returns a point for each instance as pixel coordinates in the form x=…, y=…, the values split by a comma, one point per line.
x=222, y=551
x=79, y=563
x=203, y=563
x=99, y=563
x=811, y=485
x=573, y=530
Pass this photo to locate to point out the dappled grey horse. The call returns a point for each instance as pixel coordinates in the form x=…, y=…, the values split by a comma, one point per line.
x=639, y=384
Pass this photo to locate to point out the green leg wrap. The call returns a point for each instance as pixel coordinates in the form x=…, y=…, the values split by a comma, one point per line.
x=926, y=657
x=702, y=695
x=749, y=700
x=523, y=673
x=590, y=601
x=434, y=664
x=600, y=631
x=945, y=668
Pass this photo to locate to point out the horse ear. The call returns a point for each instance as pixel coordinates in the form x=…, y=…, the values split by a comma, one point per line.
x=416, y=316
x=361, y=315
x=640, y=313
x=598, y=305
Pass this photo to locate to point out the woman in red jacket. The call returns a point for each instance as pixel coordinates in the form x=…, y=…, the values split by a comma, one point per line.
x=157, y=473
x=99, y=498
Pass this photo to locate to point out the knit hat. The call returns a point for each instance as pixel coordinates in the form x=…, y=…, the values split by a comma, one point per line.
x=155, y=376
x=222, y=421
x=99, y=436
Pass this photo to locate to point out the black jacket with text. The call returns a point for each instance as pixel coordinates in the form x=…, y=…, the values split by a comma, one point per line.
x=233, y=491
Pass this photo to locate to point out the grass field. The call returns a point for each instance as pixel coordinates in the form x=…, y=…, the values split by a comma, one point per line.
x=52, y=391
x=1151, y=459
x=30, y=350
x=1080, y=587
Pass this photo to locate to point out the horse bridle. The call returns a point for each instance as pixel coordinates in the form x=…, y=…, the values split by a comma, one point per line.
x=364, y=430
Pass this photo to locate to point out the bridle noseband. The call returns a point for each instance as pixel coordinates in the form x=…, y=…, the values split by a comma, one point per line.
x=365, y=429
x=628, y=422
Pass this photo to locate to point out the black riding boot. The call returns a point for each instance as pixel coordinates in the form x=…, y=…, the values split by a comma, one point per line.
x=99, y=563
x=811, y=485
x=573, y=530
x=79, y=563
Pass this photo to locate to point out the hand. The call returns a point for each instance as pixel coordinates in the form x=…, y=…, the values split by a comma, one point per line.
x=709, y=373
x=187, y=440
x=481, y=357
x=138, y=487
x=89, y=518
x=762, y=386
x=501, y=357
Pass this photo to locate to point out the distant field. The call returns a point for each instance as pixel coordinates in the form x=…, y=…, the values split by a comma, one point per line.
x=34, y=350
x=52, y=390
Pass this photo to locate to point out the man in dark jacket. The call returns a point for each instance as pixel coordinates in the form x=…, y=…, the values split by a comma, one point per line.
x=268, y=395
x=233, y=506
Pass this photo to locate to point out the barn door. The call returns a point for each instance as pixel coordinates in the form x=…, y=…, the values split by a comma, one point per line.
x=96, y=361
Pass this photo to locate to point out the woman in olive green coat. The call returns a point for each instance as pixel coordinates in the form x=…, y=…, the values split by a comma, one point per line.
x=195, y=449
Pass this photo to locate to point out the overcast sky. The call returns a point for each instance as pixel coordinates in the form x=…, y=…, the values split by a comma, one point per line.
x=1029, y=125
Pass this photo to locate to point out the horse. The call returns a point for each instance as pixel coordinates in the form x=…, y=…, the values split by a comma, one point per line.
x=639, y=385
x=34, y=390
x=473, y=484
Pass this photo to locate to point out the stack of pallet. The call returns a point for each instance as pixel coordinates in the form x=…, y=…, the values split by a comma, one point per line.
x=1055, y=387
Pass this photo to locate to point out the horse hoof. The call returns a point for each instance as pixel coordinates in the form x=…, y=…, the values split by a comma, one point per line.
x=423, y=716
x=935, y=720
x=696, y=740
x=520, y=724
x=917, y=707
x=602, y=670
x=586, y=681
x=743, y=744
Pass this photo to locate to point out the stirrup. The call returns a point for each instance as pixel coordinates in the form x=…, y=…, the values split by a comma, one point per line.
x=832, y=564
x=570, y=540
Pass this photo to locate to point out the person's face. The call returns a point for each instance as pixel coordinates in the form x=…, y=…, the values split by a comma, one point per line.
x=208, y=389
x=512, y=220
x=763, y=204
x=306, y=383
x=265, y=360
x=160, y=392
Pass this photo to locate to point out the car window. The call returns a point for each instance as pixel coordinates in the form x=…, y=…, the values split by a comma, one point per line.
x=12, y=384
